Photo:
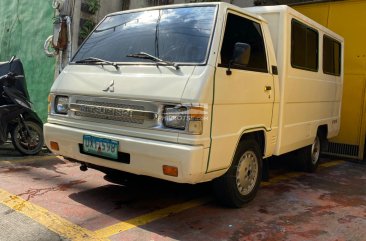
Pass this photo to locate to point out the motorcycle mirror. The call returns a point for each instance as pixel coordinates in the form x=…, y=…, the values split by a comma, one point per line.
x=19, y=77
x=11, y=61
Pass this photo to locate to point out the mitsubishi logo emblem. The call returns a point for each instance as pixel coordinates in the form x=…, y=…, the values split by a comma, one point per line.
x=110, y=87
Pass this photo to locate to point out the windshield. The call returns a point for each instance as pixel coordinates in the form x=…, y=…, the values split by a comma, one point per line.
x=176, y=34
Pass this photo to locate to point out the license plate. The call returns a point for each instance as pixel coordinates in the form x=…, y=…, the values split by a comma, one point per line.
x=100, y=146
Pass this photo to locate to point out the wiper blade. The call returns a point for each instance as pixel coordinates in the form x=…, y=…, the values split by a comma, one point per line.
x=143, y=55
x=97, y=60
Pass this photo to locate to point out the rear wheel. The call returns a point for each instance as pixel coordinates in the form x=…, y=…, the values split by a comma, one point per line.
x=308, y=157
x=27, y=143
x=240, y=183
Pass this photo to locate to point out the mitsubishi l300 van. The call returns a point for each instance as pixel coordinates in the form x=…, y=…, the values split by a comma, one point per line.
x=199, y=92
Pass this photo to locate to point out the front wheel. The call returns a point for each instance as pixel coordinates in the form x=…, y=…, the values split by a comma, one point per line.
x=240, y=183
x=28, y=143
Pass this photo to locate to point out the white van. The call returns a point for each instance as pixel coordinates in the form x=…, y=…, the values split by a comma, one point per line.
x=199, y=92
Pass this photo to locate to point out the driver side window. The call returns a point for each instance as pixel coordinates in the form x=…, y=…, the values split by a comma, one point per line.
x=239, y=29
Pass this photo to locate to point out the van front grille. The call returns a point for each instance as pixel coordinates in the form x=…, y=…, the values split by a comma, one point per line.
x=111, y=111
x=108, y=104
x=109, y=117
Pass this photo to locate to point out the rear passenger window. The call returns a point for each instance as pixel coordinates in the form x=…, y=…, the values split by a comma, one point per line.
x=331, y=56
x=239, y=29
x=304, y=46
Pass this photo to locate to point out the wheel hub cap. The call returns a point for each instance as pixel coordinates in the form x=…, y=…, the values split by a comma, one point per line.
x=30, y=141
x=247, y=172
x=315, y=151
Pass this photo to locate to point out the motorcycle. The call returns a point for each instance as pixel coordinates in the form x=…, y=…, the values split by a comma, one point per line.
x=17, y=117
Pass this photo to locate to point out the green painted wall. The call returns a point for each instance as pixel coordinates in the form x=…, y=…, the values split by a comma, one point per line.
x=24, y=26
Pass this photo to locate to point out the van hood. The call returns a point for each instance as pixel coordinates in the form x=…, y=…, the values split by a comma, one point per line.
x=137, y=82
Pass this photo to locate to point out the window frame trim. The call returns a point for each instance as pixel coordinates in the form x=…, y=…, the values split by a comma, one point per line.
x=236, y=66
x=340, y=55
x=318, y=42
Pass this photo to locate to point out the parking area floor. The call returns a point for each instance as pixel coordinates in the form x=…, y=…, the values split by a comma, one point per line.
x=48, y=198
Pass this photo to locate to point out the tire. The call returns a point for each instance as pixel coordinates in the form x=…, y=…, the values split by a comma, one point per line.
x=31, y=146
x=240, y=183
x=308, y=157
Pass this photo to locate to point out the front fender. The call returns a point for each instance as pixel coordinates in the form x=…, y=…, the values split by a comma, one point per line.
x=31, y=115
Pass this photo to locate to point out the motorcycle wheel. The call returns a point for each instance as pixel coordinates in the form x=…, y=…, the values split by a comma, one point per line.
x=28, y=144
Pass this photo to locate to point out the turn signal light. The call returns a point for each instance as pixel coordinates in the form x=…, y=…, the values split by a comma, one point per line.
x=196, y=112
x=170, y=171
x=54, y=146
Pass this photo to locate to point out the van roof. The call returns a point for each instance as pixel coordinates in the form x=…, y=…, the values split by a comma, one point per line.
x=286, y=10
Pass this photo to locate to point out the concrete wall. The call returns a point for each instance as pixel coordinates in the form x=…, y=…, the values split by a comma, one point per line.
x=108, y=6
x=137, y=4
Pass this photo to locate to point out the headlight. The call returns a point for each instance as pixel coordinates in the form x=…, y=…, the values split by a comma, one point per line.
x=175, y=117
x=188, y=118
x=61, y=105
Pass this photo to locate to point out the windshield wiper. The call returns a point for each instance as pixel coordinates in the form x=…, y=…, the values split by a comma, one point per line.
x=97, y=60
x=143, y=55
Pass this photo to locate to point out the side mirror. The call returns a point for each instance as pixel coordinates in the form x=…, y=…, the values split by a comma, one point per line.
x=241, y=55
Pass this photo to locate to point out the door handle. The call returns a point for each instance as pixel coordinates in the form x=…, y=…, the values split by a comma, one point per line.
x=267, y=88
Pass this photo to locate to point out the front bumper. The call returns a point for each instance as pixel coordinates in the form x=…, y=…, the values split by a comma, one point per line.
x=147, y=157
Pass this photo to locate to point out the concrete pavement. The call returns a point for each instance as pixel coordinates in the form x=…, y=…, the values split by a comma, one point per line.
x=49, y=193
x=17, y=227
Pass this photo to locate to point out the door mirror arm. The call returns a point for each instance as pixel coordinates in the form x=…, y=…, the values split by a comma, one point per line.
x=228, y=71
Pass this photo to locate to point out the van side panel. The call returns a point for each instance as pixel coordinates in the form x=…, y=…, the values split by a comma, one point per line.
x=308, y=99
x=311, y=99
